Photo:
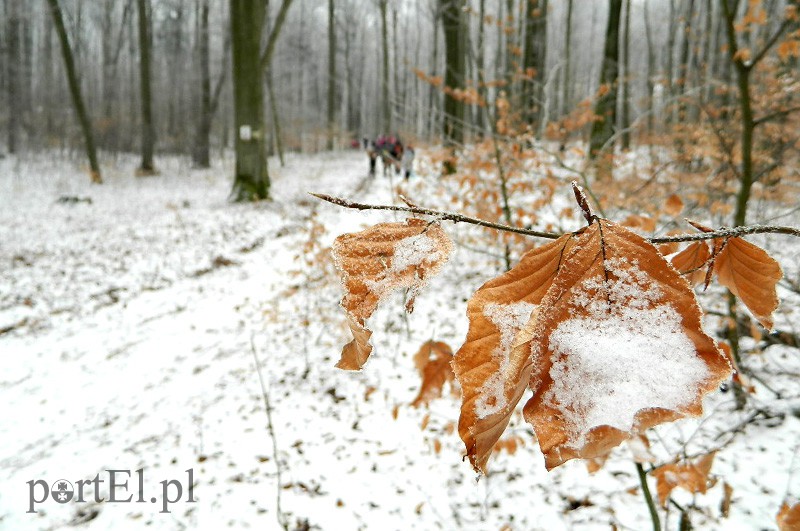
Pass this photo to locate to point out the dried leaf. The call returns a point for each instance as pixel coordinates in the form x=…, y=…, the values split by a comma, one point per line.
x=751, y=274
x=689, y=476
x=594, y=464
x=727, y=497
x=788, y=518
x=692, y=261
x=673, y=205
x=433, y=363
x=378, y=260
x=616, y=347
x=644, y=223
x=492, y=379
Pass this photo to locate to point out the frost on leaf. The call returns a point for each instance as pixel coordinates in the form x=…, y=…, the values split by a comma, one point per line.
x=691, y=261
x=751, y=274
x=788, y=518
x=433, y=363
x=616, y=347
x=492, y=378
x=689, y=476
x=378, y=260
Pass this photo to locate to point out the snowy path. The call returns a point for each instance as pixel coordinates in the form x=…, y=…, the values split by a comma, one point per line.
x=130, y=347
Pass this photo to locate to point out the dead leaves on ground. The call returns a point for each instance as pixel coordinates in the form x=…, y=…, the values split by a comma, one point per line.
x=376, y=261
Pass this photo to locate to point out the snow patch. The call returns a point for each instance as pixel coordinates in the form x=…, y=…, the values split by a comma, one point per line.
x=627, y=355
x=509, y=320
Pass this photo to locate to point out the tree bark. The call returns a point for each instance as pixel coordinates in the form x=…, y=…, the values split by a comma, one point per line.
x=456, y=60
x=12, y=75
x=533, y=61
x=625, y=121
x=202, y=146
x=331, y=73
x=566, y=101
x=386, y=103
x=251, y=180
x=75, y=91
x=148, y=131
x=606, y=106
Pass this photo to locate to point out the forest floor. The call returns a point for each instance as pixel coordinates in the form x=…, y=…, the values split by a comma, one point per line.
x=131, y=316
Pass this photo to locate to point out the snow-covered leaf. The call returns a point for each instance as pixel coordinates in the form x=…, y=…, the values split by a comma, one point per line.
x=378, y=260
x=616, y=347
x=492, y=377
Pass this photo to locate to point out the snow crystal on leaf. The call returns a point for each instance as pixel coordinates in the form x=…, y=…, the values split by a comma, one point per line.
x=509, y=320
x=409, y=252
x=413, y=251
x=630, y=353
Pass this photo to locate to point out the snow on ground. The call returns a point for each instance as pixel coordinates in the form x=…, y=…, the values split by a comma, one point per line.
x=129, y=330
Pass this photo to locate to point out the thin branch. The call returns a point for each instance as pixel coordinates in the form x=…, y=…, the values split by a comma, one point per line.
x=776, y=114
x=271, y=430
x=266, y=57
x=460, y=218
x=449, y=216
x=769, y=44
x=648, y=498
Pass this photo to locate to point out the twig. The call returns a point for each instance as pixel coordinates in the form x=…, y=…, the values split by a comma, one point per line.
x=271, y=430
x=460, y=218
x=450, y=216
x=651, y=506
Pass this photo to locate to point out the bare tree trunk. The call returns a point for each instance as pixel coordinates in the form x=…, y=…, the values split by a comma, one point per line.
x=454, y=109
x=480, y=61
x=148, y=131
x=331, y=73
x=433, y=93
x=202, y=146
x=251, y=181
x=12, y=75
x=651, y=59
x=566, y=102
x=75, y=91
x=626, y=80
x=606, y=105
x=277, y=135
x=386, y=103
x=533, y=61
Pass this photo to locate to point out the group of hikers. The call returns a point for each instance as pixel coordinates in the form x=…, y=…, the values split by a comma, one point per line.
x=392, y=152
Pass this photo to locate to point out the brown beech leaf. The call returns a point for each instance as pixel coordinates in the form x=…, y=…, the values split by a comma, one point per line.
x=673, y=205
x=788, y=518
x=643, y=223
x=691, y=261
x=689, y=476
x=616, y=347
x=751, y=274
x=433, y=363
x=374, y=262
x=492, y=380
